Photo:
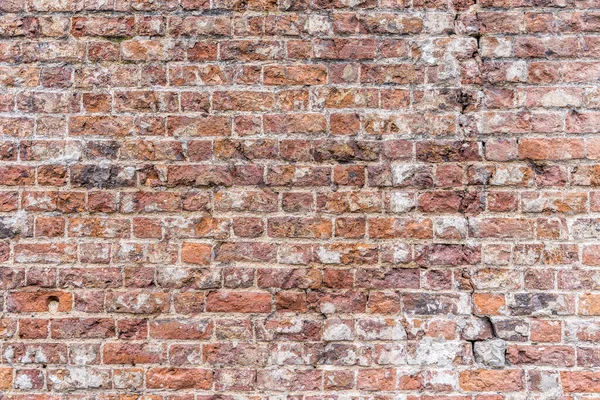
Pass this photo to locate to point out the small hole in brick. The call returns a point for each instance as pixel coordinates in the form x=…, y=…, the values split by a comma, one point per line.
x=53, y=304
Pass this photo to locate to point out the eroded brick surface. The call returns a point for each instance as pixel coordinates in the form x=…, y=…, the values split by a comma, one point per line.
x=310, y=200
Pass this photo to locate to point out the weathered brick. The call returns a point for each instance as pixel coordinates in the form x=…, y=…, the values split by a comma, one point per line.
x=129, y=353
x=541, y=355
x=75, y=328
x=247, y=302
x=179, y=378
x=490, y=380
x=249, y=198
x=580, y=381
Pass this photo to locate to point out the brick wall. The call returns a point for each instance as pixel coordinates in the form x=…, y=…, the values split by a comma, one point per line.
x=316, y=199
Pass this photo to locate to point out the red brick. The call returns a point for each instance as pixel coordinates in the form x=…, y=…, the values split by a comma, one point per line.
x=40, y=301
x=489, y=303
x=295, y=75
x=100, y=126
x=563, y=356
x=252, y=50
x=245, y=251
x=6, y=378
x=242, y=354
x=551, y=149
x=295, y=123
x=33, y=328
x=199, y=126
x=196, y=253
x=179, y=378
x=580, y=381
x=129, y=353
x=299, y=227
x=344, y=124
x=99, y=26
x=244, y=302
x=137, y=302
x=150, y=50
x=181, y=330
x=376, y=379
x=490, y=380
x=342, y=48
x=86, y=328
x=589, y=304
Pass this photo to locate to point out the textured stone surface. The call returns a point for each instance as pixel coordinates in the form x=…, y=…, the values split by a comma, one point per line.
x=490, y=352
x=325, y=199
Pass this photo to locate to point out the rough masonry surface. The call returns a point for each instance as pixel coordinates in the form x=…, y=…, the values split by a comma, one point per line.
x=299, y=199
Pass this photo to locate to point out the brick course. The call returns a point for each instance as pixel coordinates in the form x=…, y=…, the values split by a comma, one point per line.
x=375, y=199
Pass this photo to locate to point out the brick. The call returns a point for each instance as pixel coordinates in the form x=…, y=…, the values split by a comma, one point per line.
x=238, y=302
x=181, y=330
x=388, y=279
x=541, y=304
x=179, y=378
x=452, y=151
x=551, y=149
x=294, y=123
x=587, y=357
x=199, y=26
x=235, y=379
x=252, y=50
x=139, y=50
x=104, y=27
x=397, y=74
x=6, y=378
x=311, y=380
x=295, y=75
x=145, y=101
x=137, y=302
x=100, y=126
x=222, y=354
x=40, y=301
x=350, y=227
x=376, y=379
x=589, y=304
x=76, y=328
x=502, y=227
x=541, y=355
x=580, y=381
x=198, y=126
x=568, y=203
x=299, y=228
x=590, y=255
x=33, y=328
x=129, y=353
x=490, y=380
x=342, y=48
x=199, y=175
x=245, y=251
x=489, y=303
x=196, y=253
x=243, y=101
x=16, y=175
